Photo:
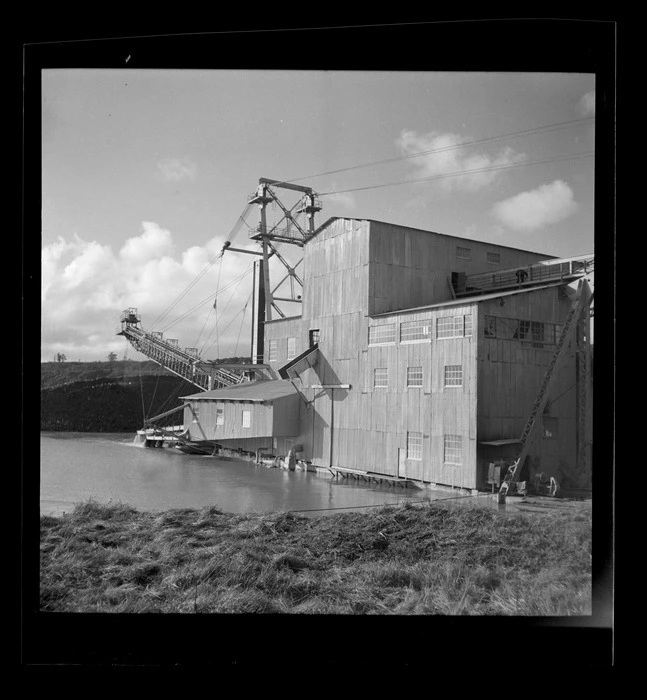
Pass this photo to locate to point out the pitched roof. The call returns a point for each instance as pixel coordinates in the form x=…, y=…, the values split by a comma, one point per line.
x=256, y=391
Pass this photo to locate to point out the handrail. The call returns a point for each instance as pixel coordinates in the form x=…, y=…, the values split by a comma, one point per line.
x=525, y=275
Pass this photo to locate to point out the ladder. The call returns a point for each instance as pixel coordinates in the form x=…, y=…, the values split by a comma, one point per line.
x=582, y=302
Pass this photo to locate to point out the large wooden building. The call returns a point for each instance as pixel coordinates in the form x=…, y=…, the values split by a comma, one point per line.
x=417, y=354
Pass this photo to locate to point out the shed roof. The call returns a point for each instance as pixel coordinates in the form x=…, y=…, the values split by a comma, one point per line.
x=268, y=390
x=464, y=301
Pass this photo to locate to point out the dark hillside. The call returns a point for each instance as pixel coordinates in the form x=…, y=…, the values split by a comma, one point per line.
x=109, y=397
x=55, y=374
x=107, y=405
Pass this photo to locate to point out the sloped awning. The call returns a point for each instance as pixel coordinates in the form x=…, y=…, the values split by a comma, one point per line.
x=300, y=363
x=499, y=443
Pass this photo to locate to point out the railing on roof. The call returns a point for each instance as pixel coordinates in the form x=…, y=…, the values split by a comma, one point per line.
x=289, y=234
x=564, y=269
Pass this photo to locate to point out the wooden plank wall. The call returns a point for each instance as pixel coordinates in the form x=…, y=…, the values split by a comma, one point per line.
x=511, y=373
x=262, y=419
x=409, y=267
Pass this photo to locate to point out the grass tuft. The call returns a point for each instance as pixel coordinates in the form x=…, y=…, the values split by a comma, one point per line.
x=445, y=558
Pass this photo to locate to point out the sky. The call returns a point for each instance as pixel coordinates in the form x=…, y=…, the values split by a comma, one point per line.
x=145, y=174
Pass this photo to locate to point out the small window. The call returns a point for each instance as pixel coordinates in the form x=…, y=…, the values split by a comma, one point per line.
x=414, y=446
x=414, y=376
x=454, y=326
x=220, y=416
x=272, y=351
x=378, y=335
x=247, y=419
x=453, y=449
x=195, y=408
x=550, y=428
x=494, y=258
x=314, y=337
x=489, y=327
x=411, y=331
x=453, y=375
x=523, y=328
x=463, y=253
x=292, y=348
x=537, y=330
x=381, y=377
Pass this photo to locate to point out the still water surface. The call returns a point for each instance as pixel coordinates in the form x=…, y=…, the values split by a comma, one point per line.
x=75, y=467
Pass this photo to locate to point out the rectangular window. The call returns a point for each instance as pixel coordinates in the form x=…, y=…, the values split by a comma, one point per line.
x=314, y=337
x=463, y=253
x=247, y=419
x=454, y=326
x=522, y=330
x=411, y=331
x=414, y=446
x=377, y=335
x=414, y=376
x=453, y=375
x=381, y=377
x=494, y=258
x=195, y=407
x=453, y=449
x=220, y=416
x=272, y=351
x=550, y=427
x=292, y=348
x=537, y=330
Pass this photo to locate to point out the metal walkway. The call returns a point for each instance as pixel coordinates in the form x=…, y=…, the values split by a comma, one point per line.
x=554, y=270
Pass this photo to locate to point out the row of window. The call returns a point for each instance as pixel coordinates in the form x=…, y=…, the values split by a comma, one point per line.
x=521, y=329
x=421, y=330
x=452, y=448
x=246, y=416
x=273, y=346
x=466, y=254
x=453, y=376
x=273, y=350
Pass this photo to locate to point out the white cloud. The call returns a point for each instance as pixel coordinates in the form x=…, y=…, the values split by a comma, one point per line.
x=537, y=208
x=447, y=159
x=176, y=169
x=587, y=104
x=86, y=286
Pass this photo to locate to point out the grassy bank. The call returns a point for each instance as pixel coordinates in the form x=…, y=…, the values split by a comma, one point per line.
x=447, y=558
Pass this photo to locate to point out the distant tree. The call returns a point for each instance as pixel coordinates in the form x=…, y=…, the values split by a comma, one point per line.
x=60, y=357
x=112, y=356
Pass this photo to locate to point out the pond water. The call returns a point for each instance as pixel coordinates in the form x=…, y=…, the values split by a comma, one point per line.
x=76, y=467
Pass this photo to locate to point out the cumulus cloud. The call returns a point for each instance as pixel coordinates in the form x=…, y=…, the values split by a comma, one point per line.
x=86, y=286
x=176, y=169
x=537, y=208
x=447, y=158
x=587, y=104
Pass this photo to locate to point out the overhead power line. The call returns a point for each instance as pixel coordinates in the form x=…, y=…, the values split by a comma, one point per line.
x=556, y=126
x=458, y=173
